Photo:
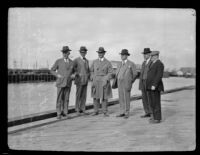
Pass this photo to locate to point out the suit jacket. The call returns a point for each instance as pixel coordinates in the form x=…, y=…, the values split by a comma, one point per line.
x=142, y=71
x=65, y=69
x=82, y=71
x=130, y=74
x=101, y=73
x=154, y=76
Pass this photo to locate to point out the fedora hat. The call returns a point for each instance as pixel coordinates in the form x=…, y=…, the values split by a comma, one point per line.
x=146, y=51
x=124, y=52
x=101, y=50
x=155, y=53
x=65, y=49
x=83, y=49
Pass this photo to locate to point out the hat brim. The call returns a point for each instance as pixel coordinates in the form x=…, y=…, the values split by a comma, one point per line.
x=124, y=54
x=64, y=51
x=101, y=51
x=82, y=51
x=146, y=52
x=154, y=54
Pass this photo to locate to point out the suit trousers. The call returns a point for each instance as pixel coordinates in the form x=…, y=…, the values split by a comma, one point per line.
x=97, y=105
x=124, y=98
x=81, y=94
x=154, y=98
x=145, y=100
x=62, y=100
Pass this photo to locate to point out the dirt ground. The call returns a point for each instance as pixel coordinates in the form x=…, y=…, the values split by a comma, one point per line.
x=176, y=132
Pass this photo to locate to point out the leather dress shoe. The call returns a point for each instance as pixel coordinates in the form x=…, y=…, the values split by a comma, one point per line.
x=95, y=113
x=78, y=113
x=58, y=117
x=126, y=116
x=65, y=116
x=120, y=115
x=151, y=118
x=153, y=121
x=106, y=114
x=146, y=115
x=85, y=113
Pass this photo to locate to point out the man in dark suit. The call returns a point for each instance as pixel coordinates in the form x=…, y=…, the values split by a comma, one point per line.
x=142, y=82
x=82, y=71
x=155, y=86
x=63, y=70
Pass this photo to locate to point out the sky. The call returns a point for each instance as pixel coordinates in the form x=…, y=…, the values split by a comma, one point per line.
x=37, y=35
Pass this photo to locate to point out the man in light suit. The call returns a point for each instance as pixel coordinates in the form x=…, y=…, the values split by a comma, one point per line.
x=155, y=86
x=82, y=72
x=101, y=73
x=63, y=70
x=142, y=82
x=126, y=75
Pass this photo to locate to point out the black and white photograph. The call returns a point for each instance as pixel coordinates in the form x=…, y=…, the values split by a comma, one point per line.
x=101, y=79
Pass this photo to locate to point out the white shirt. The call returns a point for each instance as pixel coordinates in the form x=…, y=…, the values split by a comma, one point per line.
x=66, y=60
x=124, y=62
x=147, y=61
x=101, y=59
x=84, y=59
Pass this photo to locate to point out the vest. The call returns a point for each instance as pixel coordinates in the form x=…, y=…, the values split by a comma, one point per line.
x=121, y=72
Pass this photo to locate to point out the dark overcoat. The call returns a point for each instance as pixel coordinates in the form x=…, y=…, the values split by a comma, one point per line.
x=154, y=76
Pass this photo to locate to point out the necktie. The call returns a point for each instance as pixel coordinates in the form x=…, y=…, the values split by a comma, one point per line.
x=84, y=59
x=123, y=63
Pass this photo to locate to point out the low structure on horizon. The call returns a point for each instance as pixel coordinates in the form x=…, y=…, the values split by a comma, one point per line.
x=188, y=71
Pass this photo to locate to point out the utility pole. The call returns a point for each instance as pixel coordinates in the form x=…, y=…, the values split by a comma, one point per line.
x=47, y=64
x=15, y=64
x=36, y=65
x=21, y=64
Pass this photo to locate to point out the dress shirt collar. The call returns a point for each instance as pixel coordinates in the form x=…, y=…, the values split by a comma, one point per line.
x=101, y=59
x=124, y=61
x=147, y=61
x=84, y=58
x=66, y=59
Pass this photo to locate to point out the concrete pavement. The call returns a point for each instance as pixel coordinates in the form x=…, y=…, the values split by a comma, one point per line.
x=99, y=133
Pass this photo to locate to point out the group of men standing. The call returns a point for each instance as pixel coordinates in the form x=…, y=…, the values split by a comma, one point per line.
x=100, y=73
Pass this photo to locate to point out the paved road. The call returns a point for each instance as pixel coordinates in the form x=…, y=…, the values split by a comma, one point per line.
x=98, y=133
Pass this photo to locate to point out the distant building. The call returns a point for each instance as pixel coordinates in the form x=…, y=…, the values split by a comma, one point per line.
x=179, y=73
x=188, y=71
x=116, y=63
x=173, y=73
